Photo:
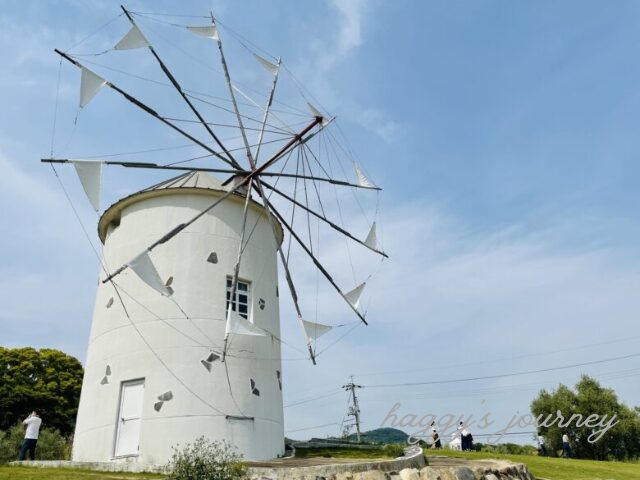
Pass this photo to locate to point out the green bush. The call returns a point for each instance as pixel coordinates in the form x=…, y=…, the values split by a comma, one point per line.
x=51, y=444
x=507, y=448
x=206, y=460
x=394, y=450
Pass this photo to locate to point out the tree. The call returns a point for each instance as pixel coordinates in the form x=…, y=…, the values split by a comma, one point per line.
x=45, y=380
x=620, y=442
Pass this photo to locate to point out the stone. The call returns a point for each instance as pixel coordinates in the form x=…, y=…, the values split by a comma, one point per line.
x=409, y=474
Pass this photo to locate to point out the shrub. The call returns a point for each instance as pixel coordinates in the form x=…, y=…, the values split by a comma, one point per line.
x=206, y=460
x=51, y=444
x=394, y=450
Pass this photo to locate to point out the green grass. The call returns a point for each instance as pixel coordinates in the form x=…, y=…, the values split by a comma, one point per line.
x=32, y=473
x=558, y=468
x=388, y=451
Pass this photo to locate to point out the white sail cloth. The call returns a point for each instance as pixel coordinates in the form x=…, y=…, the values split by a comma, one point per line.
x=133, y=39
x=238, y=325
x=89, y=174
x=372, y=238
x=315, y=330
x=267, y=64
x=144, y=268
x=90, y=85
x=353, y=297
x=363, y=181
x=209, y=31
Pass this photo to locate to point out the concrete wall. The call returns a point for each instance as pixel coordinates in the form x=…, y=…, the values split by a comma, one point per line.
x=202, y=400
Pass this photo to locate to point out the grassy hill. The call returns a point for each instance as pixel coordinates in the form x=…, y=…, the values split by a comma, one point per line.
x=557, y=468
x=382, y=435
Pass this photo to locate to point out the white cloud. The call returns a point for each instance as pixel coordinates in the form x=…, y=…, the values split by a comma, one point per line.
x=376, y=121
x=451, y=295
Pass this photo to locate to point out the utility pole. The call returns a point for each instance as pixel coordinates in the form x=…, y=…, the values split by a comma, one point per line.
x=354, y=409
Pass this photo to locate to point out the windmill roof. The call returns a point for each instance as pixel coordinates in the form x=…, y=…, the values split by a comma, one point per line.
x=191, y=182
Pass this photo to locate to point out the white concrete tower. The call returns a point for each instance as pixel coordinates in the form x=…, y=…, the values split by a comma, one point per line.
x=147, y=383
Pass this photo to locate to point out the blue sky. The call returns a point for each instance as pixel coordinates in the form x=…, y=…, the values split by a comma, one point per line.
x=504, y=135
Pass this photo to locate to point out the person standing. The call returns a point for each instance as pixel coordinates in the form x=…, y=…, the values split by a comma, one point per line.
x=463, y=442
x=33, y=423
x=543, y=449
x=566, y=448
x=435, y=438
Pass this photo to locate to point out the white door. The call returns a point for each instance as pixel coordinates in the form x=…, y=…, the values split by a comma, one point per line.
x=129, y=417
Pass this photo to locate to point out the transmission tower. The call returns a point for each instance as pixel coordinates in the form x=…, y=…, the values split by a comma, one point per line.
x=354, y=408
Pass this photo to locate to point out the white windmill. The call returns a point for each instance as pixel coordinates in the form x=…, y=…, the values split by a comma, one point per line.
x=185, y=339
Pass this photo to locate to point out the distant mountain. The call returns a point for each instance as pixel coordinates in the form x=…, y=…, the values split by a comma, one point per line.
x=382, y=435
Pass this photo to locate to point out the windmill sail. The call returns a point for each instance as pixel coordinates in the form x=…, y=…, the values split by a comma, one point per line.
x=133, y=39
x=266, y=64
x=209, y=31
x=89, y=174
x=363, y=181
x=315, y=330
x=238, y=325
x=353, y=297
x=144, y=268
x=90, y=85
x=372, y=238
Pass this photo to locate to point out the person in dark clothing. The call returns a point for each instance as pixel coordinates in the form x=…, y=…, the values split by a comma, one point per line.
x=566, y=447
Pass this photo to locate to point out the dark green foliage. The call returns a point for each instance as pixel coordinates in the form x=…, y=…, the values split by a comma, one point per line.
x=51, y=444
x=507, y=448
x=382, y=435
x=621, y=442
x=372, y=452
x=46, y=380
x=206, y=460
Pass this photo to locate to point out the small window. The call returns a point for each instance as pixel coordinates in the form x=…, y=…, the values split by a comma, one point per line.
x=242, y=298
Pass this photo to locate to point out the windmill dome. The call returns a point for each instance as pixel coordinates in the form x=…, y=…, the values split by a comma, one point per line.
x=190, y=183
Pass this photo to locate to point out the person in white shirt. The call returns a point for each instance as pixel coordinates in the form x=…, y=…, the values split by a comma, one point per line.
x=543, y=449
x=33, y=423
x=566, y=448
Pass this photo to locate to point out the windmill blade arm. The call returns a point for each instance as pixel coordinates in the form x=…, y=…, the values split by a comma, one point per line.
x=318, y=179
x=317, y=263
x=230, y=160
x=292, y=289
x=323, y=218
x=227, y=77
x=147, y=109
x=153, y=166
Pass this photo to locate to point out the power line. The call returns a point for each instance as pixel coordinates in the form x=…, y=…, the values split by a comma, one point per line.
x=502, y=359
x=513, y=374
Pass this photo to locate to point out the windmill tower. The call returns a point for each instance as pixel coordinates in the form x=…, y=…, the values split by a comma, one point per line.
x=185, y=339
x=151, y=380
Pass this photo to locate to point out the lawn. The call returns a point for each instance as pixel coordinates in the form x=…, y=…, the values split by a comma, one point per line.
x=390, y=451
x=560, y=468
x=31, y=473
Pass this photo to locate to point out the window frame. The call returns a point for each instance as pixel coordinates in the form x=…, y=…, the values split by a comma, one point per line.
x=236, y=303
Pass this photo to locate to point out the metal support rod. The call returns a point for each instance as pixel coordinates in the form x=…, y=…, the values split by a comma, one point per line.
x=233, y=97
x=266, y=110
x=147, y=109
x=323, y=218
x=236, y=269
x=212, y=170
x=285, y=265
x=314, y=259
x=153, y=166
x=246, y=179
x=231, y=161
